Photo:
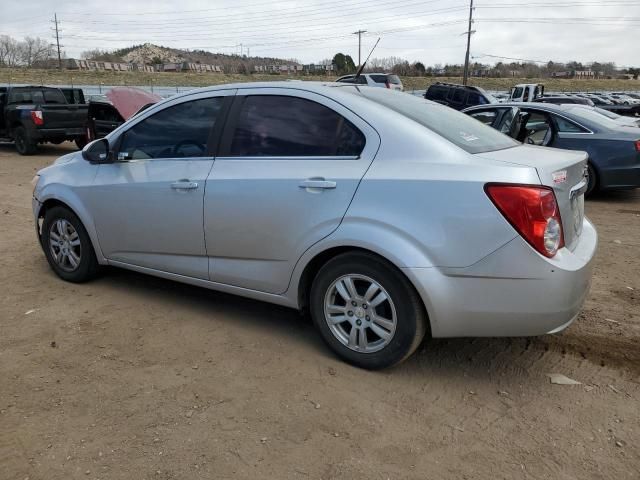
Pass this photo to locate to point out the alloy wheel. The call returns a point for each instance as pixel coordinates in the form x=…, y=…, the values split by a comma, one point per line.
x=360, y=313
x=64, y=244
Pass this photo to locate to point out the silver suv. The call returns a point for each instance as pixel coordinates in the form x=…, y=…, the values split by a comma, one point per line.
x=382, y=80
x=386, y=216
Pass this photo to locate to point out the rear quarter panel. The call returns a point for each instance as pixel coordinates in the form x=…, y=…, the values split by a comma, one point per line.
x=426, y=214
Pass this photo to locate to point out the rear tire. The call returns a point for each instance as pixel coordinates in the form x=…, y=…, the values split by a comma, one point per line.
x=592, y=181
x=67, y=246
x=382, y=321
x=24, y=144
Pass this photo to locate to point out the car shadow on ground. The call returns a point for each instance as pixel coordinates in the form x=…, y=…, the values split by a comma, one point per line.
x=458, y=356
x=43, y=149
x=614, y=196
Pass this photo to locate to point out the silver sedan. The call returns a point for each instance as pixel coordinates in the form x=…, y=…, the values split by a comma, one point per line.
x=387, y=216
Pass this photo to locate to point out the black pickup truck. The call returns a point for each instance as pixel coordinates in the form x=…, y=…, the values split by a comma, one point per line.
x=34, y=114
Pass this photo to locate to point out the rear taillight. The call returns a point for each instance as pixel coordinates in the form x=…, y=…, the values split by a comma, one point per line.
x=533, y=212
x=36, y=116
x=637, y=145
x=387, y=84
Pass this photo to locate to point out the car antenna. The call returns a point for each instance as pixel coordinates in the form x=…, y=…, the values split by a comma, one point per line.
x=361, y=67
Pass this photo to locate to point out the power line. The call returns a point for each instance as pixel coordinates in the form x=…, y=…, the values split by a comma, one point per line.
x=190, y=35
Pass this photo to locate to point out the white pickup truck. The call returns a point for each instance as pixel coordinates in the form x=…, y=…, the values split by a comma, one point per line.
x=526, y=92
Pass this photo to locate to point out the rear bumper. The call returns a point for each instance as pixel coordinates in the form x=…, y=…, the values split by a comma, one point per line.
x=620, y=178
x=512, y=292
x=45, y=134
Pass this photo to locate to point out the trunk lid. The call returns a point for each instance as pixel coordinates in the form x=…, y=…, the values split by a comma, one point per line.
x=563, y=171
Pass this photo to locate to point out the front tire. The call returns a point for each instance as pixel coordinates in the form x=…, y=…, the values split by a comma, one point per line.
x=67, y=246
x=81, y=142
x=24, y=144
x=367, y=311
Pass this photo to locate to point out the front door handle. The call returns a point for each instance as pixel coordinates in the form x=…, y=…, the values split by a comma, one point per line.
x=184, y=185
x=318, y=183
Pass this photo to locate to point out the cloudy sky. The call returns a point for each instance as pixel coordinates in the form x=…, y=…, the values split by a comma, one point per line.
x=430, y=31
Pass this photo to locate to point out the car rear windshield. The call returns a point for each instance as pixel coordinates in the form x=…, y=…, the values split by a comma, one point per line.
x=39, y=95
x=394, y=79
x=460, y=129
x=593, y=117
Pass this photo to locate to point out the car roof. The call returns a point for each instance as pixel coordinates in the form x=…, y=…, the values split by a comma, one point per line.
x=309, y=86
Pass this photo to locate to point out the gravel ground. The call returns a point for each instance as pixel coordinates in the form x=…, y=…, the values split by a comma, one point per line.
x=133, y=377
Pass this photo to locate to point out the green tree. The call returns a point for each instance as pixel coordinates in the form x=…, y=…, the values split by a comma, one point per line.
x=344, y=63
x=419, y=68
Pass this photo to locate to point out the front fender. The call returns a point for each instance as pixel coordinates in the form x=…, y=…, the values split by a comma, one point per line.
x=65, y=195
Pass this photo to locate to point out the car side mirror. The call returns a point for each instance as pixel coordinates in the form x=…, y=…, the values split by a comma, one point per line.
x=97, y=151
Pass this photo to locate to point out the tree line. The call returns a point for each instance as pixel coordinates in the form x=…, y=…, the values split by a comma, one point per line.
x=25, y=53
x=344, y=64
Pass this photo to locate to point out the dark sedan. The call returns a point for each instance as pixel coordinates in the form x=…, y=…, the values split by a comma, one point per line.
x=614, y=149
x=565, y=100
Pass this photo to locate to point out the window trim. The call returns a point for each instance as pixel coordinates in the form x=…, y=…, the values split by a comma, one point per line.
x=233, y=117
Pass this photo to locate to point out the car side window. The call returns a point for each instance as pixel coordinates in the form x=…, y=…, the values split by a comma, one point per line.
x=458, y=95
x=567, y=126
x=475, y=98
x=487, y=116
x=285, y=126
x=175, y=132
x=436, y=93
x=537, y=130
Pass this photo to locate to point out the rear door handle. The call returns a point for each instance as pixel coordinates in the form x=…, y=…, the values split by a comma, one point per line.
x=318, y=183
x=184, y=185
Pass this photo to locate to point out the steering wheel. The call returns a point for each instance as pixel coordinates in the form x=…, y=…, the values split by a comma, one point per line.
x=179, y=145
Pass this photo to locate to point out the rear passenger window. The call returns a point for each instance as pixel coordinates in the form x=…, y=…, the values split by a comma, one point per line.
x=379, y=78
x=283, y=126
x=458, y=95
x=437, y=93
x=566, y=126
x=53, y=95
x=476, y=99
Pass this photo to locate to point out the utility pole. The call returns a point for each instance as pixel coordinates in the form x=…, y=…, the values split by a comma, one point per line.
x=55, y=21
x=359, y=33
x=468, y=32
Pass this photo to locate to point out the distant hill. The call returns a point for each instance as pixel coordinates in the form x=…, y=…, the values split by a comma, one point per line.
x=150, y=54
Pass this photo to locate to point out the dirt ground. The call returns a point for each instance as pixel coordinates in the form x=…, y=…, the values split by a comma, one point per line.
x=133, y=377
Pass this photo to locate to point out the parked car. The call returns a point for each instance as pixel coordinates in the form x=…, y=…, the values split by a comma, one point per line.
x=458, y=97
x=620, y=119
x=625, y=99
x=387, y=216
x=35, y=114
x=598, y=101
x=612, y=98
x=117, y=105
x=559, y=100
x=383, y=80
x=613, y=149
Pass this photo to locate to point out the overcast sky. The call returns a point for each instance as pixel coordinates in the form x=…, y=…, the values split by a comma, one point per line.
x=430, y=31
